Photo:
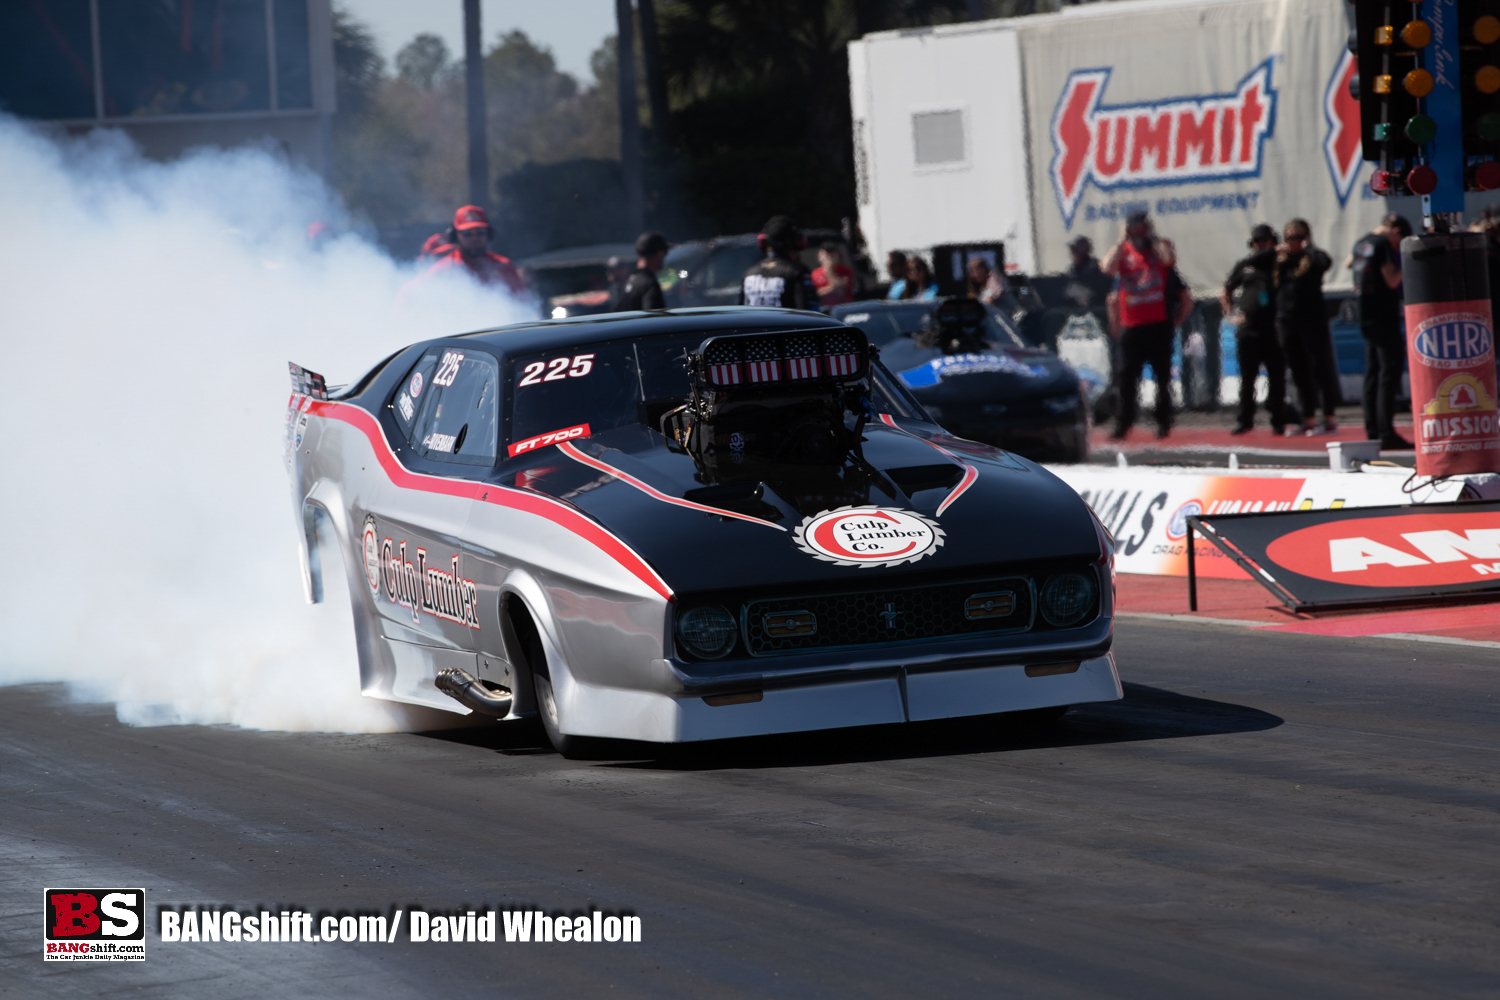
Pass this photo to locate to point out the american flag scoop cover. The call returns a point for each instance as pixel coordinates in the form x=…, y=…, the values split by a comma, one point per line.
x=783, y=359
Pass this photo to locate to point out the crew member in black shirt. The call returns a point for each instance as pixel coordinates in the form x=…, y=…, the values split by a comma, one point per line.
x=641, y=290
x=780, y=279
x=1302, y=326
x=1376, y=262
x=1248, y=297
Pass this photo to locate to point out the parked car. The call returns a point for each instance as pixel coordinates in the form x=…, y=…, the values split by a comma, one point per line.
x=575, y=281
x=708, y=272
x=975, y=374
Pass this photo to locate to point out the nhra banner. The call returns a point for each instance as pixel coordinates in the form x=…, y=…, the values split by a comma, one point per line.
x=1370, y=555
x=1147, y=510
x=1251, y=122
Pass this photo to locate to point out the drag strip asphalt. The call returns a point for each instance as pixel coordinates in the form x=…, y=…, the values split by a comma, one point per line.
x=1263, y=815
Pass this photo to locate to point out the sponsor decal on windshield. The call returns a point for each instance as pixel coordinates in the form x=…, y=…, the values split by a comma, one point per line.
x=439, y=442
x=950, y=365
x=551, y=437
x=419, y=587
x=868, y=536
x=557, y=369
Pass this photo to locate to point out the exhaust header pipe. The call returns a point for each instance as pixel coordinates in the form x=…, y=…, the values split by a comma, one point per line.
x=466, y=689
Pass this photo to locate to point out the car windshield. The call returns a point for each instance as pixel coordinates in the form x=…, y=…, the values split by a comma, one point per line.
x=585, y=390
x=884, y=323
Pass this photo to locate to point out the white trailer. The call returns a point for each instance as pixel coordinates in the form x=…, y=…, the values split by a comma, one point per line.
x=1212, y=116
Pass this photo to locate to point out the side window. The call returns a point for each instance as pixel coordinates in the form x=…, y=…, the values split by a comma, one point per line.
x=457, y=419
x=413, y=392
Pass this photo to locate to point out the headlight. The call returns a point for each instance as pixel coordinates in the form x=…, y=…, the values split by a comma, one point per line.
x=1066, y=599
x=1061, y=404
x=560, y=312
x=707, y=632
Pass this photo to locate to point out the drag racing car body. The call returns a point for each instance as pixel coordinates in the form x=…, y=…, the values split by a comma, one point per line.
x=690, y=525
x=975, y=375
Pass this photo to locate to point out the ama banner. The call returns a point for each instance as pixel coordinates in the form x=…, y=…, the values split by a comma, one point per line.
x=1364, y=555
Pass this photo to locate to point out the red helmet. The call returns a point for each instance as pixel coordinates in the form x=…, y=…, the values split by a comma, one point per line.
x=470, y=217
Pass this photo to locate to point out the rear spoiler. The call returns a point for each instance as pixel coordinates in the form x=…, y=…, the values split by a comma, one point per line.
x=306, y=383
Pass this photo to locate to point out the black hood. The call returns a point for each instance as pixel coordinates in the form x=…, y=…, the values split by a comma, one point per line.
x=1010, y=511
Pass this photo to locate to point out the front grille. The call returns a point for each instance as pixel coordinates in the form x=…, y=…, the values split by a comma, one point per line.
x=888, y=616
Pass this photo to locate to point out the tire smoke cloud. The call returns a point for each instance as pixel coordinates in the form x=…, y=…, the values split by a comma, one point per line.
x=148, y=315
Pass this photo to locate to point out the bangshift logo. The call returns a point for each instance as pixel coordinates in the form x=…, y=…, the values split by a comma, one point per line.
x=1216, y=137
x=1342, y=149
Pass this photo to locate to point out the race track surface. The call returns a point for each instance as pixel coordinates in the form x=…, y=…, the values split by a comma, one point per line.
x=1264, y=815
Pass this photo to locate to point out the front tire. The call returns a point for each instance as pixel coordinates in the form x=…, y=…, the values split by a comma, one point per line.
x=571, y=747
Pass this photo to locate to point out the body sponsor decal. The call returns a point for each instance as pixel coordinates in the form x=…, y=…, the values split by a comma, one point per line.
x=1176, y=141
x=572, y=452
x=868, y=536
x=371, y=545
x=522, y=501
x=420, y=587
x=950, y=365
x=551, y=437
x=1342, y=149
x=1405, y=550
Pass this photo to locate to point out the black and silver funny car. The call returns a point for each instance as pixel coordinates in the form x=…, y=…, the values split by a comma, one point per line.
x=686, y=526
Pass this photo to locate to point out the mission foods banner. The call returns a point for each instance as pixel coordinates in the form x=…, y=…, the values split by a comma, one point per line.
x=1212, y=117
x=1147, y=510
x=1373, y=555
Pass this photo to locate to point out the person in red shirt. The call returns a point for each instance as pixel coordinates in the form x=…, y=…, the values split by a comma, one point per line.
x=1141, y=263
x=834, y=280
x=471, y=233
x=436, y=246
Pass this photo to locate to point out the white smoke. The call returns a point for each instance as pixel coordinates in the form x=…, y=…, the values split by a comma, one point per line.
x=147, y=316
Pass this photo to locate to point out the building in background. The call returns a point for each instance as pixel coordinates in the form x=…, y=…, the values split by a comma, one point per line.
x=175, y=74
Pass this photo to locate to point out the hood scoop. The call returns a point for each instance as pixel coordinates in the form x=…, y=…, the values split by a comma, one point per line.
x=914, y=478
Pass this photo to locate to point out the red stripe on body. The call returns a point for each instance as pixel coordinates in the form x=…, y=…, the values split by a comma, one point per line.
x=572, y=452
x=502, y=496
x=971, y=474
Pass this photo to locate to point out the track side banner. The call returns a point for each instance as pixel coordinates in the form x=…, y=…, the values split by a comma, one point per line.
x=1146, y=509
x=1369, y=555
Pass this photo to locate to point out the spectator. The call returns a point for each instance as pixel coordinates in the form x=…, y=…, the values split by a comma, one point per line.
x=983, y=283
x=433, y=247
x=1302, y=327
x=1088, y=285
x=895, y=266
x=1376, y=263
x=833, y=279
x=641, y=290
x=919, y=283
x=780, y=279
x=1141, y=262
x=471, y=233
x=1248, y=300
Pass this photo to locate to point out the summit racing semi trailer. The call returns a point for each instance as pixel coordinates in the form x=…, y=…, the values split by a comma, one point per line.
x=1036, y=130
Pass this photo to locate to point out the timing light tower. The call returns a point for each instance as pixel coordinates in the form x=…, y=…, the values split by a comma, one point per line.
x=1428, y=86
